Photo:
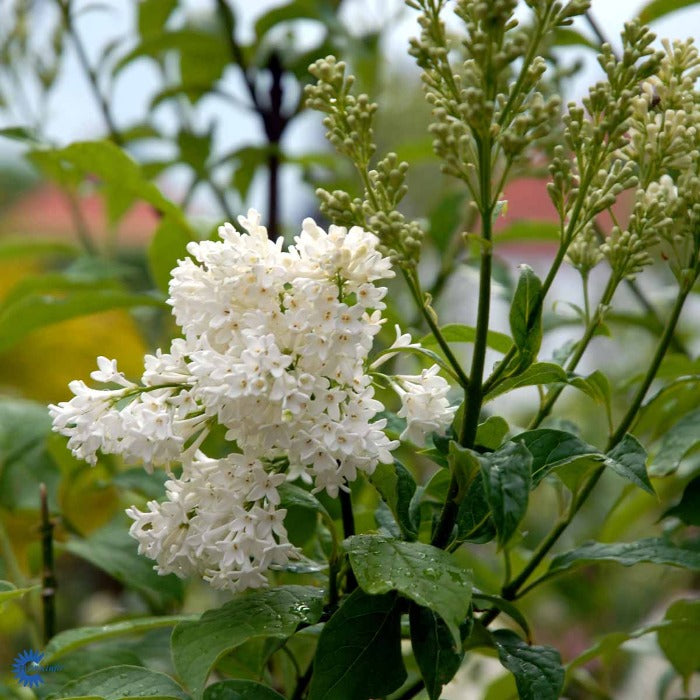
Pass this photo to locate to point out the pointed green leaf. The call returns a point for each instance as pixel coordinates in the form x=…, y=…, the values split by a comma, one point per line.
x=491, y=432
x=628, y=458
x=37, y=310
x=8, y=591
x=688, y=508
x=119, y=173
x=656, y=9
x=507, y=607
x=679, y=640
x=425, y=574
x=240, y=690
x=168, y=245
x=120, y=682
x=535, y=375
x=597, y=386
x=651, y=550
x=551, y=449
x=539, y=674
x=152, y=15
x=507, y=483
x=526, y=317
x=274, y=612
x=72, y=639
x=115, y=552
x=437, y=654
x=359, y=650
x=458, y=333
x=293, y=495
x=12, y=247
x=474, y=520
x=464, y=466
x=676, y=443
x=396, y=486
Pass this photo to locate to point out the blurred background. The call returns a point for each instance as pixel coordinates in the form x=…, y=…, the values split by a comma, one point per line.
x=193, y=112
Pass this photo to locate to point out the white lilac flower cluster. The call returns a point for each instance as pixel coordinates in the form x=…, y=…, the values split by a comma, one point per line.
x=274, y=348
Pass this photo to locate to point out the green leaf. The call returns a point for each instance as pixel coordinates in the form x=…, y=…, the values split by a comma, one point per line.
x=628, y=458
x=526, y=317
x=203, y=54
x=688, y=508
x=274, y=612
x=19, y=133
x=24, y=461
x=425, y=574
x=37, y=310
x=507, y=484
x=240, y=690
x=651, y=550
x=551, y=449
x=115, y=552
x=506, y=607
x=539, y=674
x=120, y=174
x=679, y=640
x=491, y=432
x=437, y=655
x=120, y=682
x=597, y=386
x=566, y=36
x=458, y=333
x=69, y=640
x=660, y=8
x=195, y=149
x=12, y=248
x=676, y=444
x=152, y=486
x=168, y=245
x=534, y=375
x=474, y=521
x=528, y=231
x=297, y=9
x=248, y=159
x=359, y=650
x=293, y=495
x=396, y=486
x=464, y=466
x=8, y=591
x=152, y=16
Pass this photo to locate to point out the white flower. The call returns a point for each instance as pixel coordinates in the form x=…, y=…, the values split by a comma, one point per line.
x=275, y=350
x=424, y=404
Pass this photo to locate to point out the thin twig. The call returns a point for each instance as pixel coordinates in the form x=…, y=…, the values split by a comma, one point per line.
x=114, y=133
x=48, y=577
x=348, y=531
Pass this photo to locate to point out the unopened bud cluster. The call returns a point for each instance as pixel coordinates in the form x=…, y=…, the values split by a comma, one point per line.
x=349, y=130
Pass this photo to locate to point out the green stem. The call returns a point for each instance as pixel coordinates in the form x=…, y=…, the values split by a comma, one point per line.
x=348, y=531
x=333, y=561
x=496, y=375
x=511, y=590
x=473, y=395
x=661, y=349
x=48, y=577
x=414, y=287
x=303, y=683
